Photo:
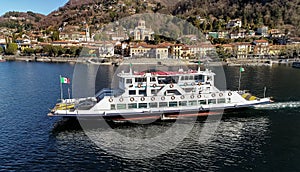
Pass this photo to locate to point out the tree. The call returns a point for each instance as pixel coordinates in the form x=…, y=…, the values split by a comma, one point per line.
x=61, y=51
x=203, y=26
x=40, y=39
x=78, y=51
x=222, y=53
x=55, y=36
x=73, y=51
x=48, y=50
x=28, y=51
x=11, y=49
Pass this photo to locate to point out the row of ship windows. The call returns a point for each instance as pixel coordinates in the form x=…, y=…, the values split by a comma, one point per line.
x=167, y=104
x=153, y=79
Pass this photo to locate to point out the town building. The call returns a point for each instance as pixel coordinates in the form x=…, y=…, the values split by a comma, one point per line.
x=263, y=31
x=242, y=49
x=176, y=51
x=276, y=50
x=261, y=48
x=234, y=23
x=142, y=33
x=140, y=50
x=159, y=52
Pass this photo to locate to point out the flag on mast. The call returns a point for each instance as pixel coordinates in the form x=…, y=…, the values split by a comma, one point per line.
x=242, y=69
x=65, y=80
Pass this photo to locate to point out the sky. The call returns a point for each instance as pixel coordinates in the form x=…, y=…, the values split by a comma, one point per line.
x=37, y=6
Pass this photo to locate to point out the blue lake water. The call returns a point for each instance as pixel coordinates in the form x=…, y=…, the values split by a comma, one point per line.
x=263, y=139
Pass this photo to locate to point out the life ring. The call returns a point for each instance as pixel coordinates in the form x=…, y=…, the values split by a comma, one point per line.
x=152, y=98
x=213, y=95
x=163, y=98
x=199, y=96
x=154, y=85
x=139, y=85
x=173, y=97
x=185, y=84
x=193, y=83
x=121, y=99
x=142, y=98
x=192, y=96
x=171, y=85
x=110, y=100
x=221, y=94
x=131, y=99
x=199, y=83
x=182, y=97
x=229, y=94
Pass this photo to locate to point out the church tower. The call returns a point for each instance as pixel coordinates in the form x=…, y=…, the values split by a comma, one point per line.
x=87, y=33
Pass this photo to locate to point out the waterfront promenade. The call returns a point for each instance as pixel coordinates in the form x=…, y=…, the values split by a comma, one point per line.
x=46, y=59
x=167, y=62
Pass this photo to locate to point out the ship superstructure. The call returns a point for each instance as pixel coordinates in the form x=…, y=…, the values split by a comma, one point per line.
x=158, y=94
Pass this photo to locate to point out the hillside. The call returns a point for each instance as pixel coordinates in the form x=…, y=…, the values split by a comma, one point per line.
x=205, y=14
x=97, y=12
x=283, y=14
x=21, y=20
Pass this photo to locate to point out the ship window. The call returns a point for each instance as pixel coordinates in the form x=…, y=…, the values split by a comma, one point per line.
x=121, y=106
x=163, y=104
x=199, y=78
x=173, y=104
x=153, y=79
x=183, y=103
x=132, y=92
x=113, y=107
x=172, y=92
x=222, y=100
x=143, y=105
x=154, y=92
x=191, y=77
x=193, y=103
x=140, y=79
x=202, y=102
x=162, y=80
x=128, y=81
x=186, y=77
x=212, y=101
x=142, y=92
x=188, y=89
x=132, y=106
x=153, y=105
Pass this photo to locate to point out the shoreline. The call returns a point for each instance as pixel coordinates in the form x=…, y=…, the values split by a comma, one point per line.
x=166, y=62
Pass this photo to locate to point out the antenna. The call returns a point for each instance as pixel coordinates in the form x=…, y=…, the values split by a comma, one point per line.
x=199, y=63
x=130, y=70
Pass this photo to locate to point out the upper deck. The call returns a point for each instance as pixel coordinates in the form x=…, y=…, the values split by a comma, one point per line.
x=165, y=82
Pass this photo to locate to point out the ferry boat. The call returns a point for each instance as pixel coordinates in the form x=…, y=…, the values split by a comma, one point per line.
x=159, y=95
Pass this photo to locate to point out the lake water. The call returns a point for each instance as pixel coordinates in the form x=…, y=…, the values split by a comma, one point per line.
x=263, y=139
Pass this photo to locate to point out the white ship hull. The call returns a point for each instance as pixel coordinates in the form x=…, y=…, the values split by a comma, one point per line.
x=161, y=113
x=158, y=95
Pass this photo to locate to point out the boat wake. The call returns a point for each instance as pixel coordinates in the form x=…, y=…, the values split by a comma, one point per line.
x=279, y=105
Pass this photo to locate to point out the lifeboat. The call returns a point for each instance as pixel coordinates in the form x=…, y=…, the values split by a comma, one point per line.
x=64, y=106
x=249, y=97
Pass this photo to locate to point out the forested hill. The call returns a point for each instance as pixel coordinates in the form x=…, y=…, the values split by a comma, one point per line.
x=98, y=12
x=282, y=14
x=21, y=20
